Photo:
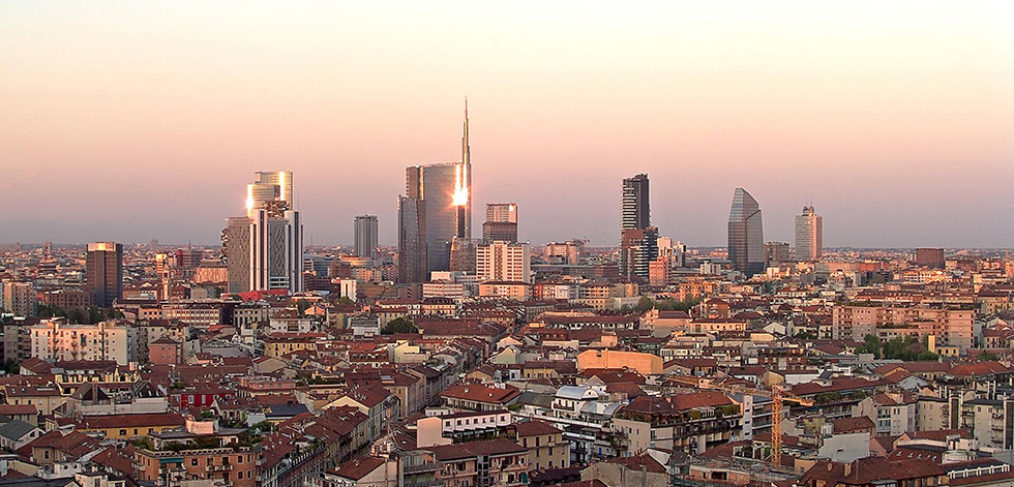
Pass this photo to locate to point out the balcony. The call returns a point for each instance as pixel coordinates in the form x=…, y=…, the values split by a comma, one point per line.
x=426, y=467
x=227, y=467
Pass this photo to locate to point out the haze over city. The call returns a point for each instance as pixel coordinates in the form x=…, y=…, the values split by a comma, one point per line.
x=130, y=122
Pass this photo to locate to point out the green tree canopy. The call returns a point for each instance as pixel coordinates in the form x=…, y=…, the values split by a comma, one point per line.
x=399, y=325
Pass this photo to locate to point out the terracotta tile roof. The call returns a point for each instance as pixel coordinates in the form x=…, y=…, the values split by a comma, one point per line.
x=676, y=403
x=131, y=420
x=535, y=427
x=481, y=393
x=853, y=425
x=871, y=469
x=639, y=462
x=358, y=467
x=499, y=446
x=17, y=409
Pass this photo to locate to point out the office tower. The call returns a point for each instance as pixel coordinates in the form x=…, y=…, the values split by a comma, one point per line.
x=503, y=261
x=809, y=235
x=933, y=258
x=236, y=245
x=411, y=239
x=272, y=241
x=746, y=234
x=636, y=204
x=501, y=222
x=776, y=253
x=502, y=212
x=276, y=257
x=638, y=247
x=366, y=236
x=269, y=186
x=104, y=273
x=444, y=191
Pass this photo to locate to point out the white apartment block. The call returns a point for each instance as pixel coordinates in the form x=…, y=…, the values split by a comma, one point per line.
x=55, y=340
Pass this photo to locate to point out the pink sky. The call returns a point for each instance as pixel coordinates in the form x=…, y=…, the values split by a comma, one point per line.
x=129, y=121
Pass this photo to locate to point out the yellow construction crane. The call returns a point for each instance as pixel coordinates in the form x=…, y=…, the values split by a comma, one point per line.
x=777, y=395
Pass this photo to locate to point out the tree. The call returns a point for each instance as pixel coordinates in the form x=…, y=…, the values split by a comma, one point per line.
x=399, y=325
x=345, y=300
x=871, y=344
x=12, y=367
x=986, y=356
x=644, y=304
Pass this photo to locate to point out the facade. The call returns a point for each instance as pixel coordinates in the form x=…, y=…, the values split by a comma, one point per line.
x=547, y=449
x=366, y=236
x=809, y=235
x=269, y=186
x=18, y=297
x=276, y=250
x=691, y=422
x=502, y=212
x=55, y=340
x=746, y=234
x=499, y=462
x=503, y=261
x=501, y=222
x=951, y=326
x=638, y=248
x=411, y=239
x=104, y=273
x=933, y=258
x=264, y=250
x=636, y=203
x=775, y=253
x=568, y=253
x=505, y=231
x=236, y=245
x=434, y=185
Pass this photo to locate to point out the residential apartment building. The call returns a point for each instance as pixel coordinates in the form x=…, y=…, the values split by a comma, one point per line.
x=55, y=340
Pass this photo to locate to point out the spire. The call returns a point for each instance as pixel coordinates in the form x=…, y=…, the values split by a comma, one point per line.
x=465, y=149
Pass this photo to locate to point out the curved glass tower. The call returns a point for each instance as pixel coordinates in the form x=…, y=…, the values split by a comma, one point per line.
x=746, y=234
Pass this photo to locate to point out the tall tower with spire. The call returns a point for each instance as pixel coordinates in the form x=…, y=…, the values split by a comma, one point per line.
x=466, y=163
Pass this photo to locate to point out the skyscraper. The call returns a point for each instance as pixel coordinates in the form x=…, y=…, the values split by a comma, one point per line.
x=411, y=239
x=638, y=247
x=269, y=186
x=638, y=239
x=809, y=235
x=502, y=212
x=276, y=241
x=636, y=203
x=746, y=234
x=366, y=236
x=443, y=194
x=104, y=273
x=236, y=244
x=268, y=253
x=501, y=222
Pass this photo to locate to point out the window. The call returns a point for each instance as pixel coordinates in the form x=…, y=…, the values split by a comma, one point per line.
x=193, y=462
x=123, y=432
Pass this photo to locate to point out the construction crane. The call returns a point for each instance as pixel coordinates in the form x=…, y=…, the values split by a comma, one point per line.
x=777, y=395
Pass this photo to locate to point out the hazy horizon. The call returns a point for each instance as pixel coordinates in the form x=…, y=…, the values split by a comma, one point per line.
x=131, y=122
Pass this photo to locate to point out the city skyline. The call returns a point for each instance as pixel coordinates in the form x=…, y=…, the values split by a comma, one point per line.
x=874, y=140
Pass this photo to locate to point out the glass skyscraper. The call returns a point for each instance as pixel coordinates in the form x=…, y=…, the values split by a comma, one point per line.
x=746, y=234
x=636, y=203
